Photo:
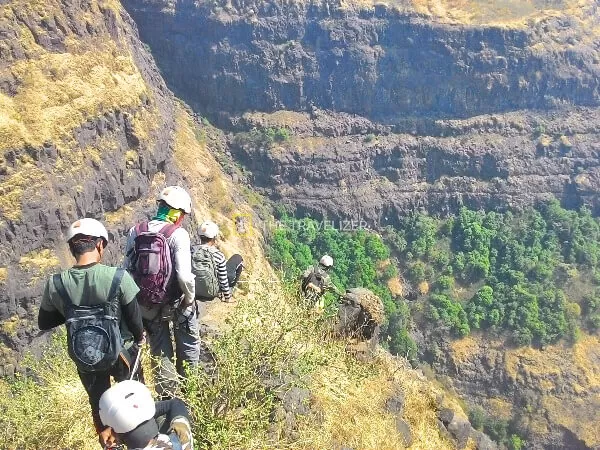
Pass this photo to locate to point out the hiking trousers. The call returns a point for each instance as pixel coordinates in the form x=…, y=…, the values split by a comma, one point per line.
x=96, y=383
x=234, y=269
x=186, y=334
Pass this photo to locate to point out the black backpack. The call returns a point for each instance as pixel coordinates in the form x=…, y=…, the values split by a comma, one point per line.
x=313, y=283
x=93, y=334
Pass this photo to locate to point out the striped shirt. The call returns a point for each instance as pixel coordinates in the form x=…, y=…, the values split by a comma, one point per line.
x=221, y=266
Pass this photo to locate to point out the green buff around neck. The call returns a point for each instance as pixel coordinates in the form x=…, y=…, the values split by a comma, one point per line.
x=167, y=214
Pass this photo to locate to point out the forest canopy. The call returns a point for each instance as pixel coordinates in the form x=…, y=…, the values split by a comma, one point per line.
x=531, y=275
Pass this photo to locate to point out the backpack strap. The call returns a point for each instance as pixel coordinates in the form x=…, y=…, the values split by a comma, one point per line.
x=112, y=304
x=141, y=228
x=168, y=230
x=116, y=282
x=62, y=292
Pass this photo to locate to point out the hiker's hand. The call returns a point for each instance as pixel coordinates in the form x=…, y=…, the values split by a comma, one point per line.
x=186, y=303
x=107, y=438
x=142, y=341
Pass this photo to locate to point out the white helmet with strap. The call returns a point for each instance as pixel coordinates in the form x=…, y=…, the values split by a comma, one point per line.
x=87, y=227
x=209, y=229
x=177, y=198
x=326, y=261
x=126, y=405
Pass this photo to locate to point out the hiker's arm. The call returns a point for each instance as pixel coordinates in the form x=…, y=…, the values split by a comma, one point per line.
x=183, y=265
x=49, y=317
x=130, y=308
x=222, y=276
x=334, y=288
x=133, y=318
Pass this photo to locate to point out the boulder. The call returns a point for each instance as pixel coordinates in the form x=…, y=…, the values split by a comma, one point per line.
x=360, y=315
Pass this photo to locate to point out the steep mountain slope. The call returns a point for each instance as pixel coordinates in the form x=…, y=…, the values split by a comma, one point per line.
x=88, y=128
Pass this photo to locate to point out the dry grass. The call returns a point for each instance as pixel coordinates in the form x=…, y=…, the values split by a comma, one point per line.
x=351, y=399
x=59, y=92
x=395, y=286
x=279, y=119
x=24, y=183
x=10, y=326
x=463, y=348
x=489, y=12
x=500, y=408
x=52, y=413
x=266, y=335
x=122, y=215
x=39, y=261
x=3, y=275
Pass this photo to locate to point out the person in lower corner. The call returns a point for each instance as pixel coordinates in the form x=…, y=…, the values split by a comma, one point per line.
x=97, y=303
x=214, y=275
x=134, y=419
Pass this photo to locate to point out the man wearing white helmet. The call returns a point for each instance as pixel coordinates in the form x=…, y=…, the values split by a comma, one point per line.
x=91, y=287
x=214, y=274
x=316, y=281
x=178, y=305
x=129, y=411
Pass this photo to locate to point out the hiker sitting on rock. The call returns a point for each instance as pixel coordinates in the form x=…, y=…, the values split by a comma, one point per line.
x=158, y=257
x=133, y=418
x=214, y=275
x=98, y=304
x=316, y=282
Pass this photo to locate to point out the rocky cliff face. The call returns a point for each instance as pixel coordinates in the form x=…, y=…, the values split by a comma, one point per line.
x=398, y=110
x=85, y=127
x=389, y=109
x=88, y=128
x=374, y=61
x=348, y=167
x=548, y=395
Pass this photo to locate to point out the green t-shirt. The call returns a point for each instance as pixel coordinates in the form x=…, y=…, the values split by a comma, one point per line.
x=89, y=286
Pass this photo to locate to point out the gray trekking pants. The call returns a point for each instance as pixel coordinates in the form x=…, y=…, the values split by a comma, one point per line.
x=187, y=346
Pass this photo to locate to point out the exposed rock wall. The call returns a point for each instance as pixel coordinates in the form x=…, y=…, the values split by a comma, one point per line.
x=345, y=166
x=86, y=127
x=231, y=57
x=547, y=394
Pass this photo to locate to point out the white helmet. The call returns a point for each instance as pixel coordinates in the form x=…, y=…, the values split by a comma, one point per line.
x=326, y=261
x=126, y=405
x=209, y=229
x=176, y=197
x=87, y=227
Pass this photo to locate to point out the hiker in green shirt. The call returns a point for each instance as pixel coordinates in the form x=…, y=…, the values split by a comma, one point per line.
x=97, y=304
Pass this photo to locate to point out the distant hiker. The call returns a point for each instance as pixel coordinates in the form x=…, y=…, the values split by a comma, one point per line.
x=214, y=275
x=133, y=419
x=158, y=257
x=98, y=305
x=316, y=282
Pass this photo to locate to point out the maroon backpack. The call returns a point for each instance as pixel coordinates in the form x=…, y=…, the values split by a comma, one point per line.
x=152, y=263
